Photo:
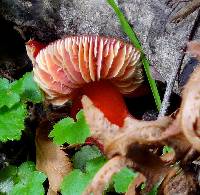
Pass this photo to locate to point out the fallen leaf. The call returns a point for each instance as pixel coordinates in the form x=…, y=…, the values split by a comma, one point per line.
x=116, y=140
x=149, y=164
x=193, y=48
x=136, y=139
x=133, y=142
x=50, y=159
x=190, y=110
x=178, y=182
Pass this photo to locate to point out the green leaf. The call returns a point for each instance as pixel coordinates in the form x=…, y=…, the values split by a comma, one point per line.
x=68, y=131
x=167, y=149
x=12, y=109
x=24, y=180
x=122, y=179
x=7, y=96
x=94, y=165
x=25, y=170
x=30, y=181
x=7, y=179
x=86, y=154
x=4, y=83
x=12, y=122
x=133, y=37
x=28, y=89
x=76, y=182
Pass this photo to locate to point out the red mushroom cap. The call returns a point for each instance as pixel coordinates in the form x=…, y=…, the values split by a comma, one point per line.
x=68, y=64
x=34, y=47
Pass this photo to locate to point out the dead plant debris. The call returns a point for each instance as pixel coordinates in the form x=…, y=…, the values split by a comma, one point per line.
x=136, y=142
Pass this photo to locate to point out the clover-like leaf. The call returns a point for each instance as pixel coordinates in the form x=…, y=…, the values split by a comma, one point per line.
x=69, y=131
x=7, y=96
x=12, y=122
x=122, y=179
x=76, y=182
x=27, y=88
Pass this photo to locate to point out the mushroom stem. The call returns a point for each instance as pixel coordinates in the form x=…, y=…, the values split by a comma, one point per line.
x=104, y=96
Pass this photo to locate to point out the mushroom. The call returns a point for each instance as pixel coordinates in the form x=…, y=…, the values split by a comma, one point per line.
x=102, y=68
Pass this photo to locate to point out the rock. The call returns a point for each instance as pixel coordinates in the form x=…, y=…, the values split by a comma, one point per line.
x=13, y=58
x=163, y=41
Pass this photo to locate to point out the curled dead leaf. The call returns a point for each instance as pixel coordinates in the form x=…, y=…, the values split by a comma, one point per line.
x=149, y=164
x=178, y=182
x=190, y=110
x=133, y=142
x=117, y=140
x=193, y=48
x=135, y=139
x=120, y=141
x=50, y=159
x=101, y=128
x=135, y=131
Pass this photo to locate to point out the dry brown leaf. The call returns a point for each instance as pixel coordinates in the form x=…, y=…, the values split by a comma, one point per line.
x=100, y=127
x=178, y=182
x=104, y=175
x=149, y=164
x=135, y=131
x=190, y=110
x=193, y=48
x=168, y=157
x=135, y=139
x=133, y=142
x=117, y=140
x=50, y=159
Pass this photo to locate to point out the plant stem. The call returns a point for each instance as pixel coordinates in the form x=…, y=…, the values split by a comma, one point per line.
x=133, y=37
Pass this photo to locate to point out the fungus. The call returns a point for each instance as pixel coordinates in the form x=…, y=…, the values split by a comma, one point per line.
x=99, y=67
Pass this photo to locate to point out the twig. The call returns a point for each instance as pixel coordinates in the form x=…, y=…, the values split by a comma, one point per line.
x=170, y=84
x=186, y=11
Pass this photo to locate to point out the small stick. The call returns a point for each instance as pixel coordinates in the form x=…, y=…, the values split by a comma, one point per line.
x=186, y=11
x=170, y=85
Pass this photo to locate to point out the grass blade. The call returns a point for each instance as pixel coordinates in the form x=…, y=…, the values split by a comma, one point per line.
x=133, y=37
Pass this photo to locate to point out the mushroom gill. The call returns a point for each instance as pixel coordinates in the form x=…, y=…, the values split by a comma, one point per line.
x=69, y=63
x=99, y=67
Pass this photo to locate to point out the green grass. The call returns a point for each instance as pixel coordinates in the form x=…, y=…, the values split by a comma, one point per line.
x=133, y=38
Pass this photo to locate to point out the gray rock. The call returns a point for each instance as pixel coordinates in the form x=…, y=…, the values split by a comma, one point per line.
x=163, y=41
x=48, y=20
